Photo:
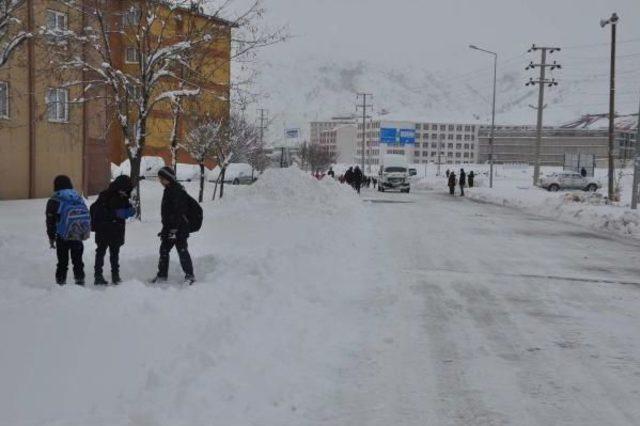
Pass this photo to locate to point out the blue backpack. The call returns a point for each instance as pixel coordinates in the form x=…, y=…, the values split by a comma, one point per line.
x=75, y=220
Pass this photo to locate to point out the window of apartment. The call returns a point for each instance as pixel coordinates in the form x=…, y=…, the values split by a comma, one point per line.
x=450, y=137
x=471, y=146
x=451, y=127
x=57, y=24
x=131, y=17
x=459, y=128
x=466, y=146
x=473, y=137
x=450, y=146
x=58, y=105
x=466, y=155
x=449, y=154
x=434, y=136
x=443, y=128
x=433, y=154
x=458, y=146
x=441, y=144
x=458, y=137
x=458, y=155
x=466, y=137
x=418, y=154
x=131, y=56
x=425, y=136
x=434, y=145
x=4, y=99
x=442, y=136
x=467, y=128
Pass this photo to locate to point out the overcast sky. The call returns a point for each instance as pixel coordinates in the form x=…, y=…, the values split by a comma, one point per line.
x=436, y=33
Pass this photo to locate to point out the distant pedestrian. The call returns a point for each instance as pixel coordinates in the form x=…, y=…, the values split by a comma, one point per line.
x=470, y=178
x=452, y=183
x=375, y=182
x=357, y=178
x=348, y=176
x=108, y=219
x=448, y=173
x=583, y=172
x=68, y=225
x=331, y=173
x=462, y=182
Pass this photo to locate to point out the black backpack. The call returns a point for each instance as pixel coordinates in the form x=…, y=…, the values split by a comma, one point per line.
x=194, y=214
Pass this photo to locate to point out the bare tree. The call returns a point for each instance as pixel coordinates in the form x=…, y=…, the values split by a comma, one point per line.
x=316, y=157
x=202, y=143
x=13, y=32
x=161, y=66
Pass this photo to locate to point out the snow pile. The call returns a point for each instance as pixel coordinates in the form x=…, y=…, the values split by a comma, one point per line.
x=253, y=342
x=514, y=189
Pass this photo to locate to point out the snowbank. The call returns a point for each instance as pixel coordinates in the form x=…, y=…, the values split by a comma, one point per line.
x=253, y=342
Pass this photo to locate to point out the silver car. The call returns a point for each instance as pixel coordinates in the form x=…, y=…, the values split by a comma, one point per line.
x=568, y=180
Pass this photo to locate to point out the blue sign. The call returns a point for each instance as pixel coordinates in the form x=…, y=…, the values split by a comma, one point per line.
x=398, y=136
x=292, y=133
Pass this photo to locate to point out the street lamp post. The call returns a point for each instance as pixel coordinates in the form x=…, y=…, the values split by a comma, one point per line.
x=493, y=109
x=612, y=97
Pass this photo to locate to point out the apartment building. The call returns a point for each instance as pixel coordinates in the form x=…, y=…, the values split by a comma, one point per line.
x=316, y=128
x=339, y=141
x=420, y=142
x=43, y=132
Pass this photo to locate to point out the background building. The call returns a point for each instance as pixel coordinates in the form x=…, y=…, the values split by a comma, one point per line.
x=317, y=127
x=339, y=141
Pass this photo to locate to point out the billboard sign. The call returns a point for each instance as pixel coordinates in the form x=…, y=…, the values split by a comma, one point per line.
x=398, y=136
x=292, y=133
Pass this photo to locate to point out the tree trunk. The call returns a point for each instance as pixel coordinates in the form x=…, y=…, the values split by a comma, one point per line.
x=222, y=173
x=201, y=196
x=215, y=189
x=135, y=162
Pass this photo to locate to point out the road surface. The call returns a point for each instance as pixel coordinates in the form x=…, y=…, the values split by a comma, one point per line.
x=483, y=315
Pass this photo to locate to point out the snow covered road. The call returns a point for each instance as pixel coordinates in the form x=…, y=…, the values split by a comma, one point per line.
x=483, y=315
x=314, y=307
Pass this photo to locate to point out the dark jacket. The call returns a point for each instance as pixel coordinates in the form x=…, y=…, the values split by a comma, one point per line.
x=348, y=176
x=357, y=176
x=452, y=179
x=174, y=210
x=463, y=179
x=110, y=211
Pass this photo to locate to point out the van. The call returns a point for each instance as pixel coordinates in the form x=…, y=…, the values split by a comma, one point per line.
x=394, y=174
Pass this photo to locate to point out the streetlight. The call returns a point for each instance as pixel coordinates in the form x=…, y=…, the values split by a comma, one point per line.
x=493, y=111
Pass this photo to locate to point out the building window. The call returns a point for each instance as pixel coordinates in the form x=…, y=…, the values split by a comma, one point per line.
x=471, y=146
x=466, y=155
x=425, y=136
x=450, y=137
x=434, y=145
x=58, y=105
x=433, y=154
x=434, y=136
x=57, y=24
x=458, y=155
x=131, y=17
x=451, y=127
x=458, y=137
x=434, y=127
x=466, y=137
x=459, y=128
x=458, y=146
x=443, y=136
x=449, y=154
x=4, y=99
x=466, y=146
x=443, y=127
x=132, y=56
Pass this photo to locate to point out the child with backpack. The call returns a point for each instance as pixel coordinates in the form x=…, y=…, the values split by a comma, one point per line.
x=68, y=225
x=108, y=217
x=181, y=215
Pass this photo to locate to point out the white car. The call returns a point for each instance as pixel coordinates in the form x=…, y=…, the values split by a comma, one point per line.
x=568, y=180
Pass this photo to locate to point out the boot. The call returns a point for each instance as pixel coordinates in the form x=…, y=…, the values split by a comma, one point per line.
x=115, y=278
x=99, y=280
x=189, y=279
x=158, y=280
x=61, y=281
x=80, y=281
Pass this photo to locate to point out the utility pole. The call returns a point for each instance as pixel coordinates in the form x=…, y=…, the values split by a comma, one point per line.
x=263, y=123
x=612, y=99
x=636, y=165
x=542, y=82
x=364, y=107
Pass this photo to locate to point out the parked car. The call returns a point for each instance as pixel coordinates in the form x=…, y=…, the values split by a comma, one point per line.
x=394, y=173
x=568, y=180
x=236, y=174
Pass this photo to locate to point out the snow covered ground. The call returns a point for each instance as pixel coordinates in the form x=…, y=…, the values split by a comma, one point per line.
x=316, y=307
x=513, y=188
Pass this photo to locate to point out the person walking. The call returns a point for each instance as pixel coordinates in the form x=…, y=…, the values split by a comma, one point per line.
x=348, y=176
x=583, y=172
x=357, y=179
x=470, y=178
x=448, y=172
x=462, y=181
x=108, y=219
x=68, y=225
x=175, y=227
x=452, y=183
x=331, y=173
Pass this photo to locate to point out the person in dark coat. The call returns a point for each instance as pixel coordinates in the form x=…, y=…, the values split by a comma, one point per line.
x=452, y=183
x=175, y=226
x=448, y=172
x=63, y=248
x=348, y=176
x=462, y=181
x=357, y=178
x=583, y=172
x=470, y=178
x=331, y=173
x=108, y=217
